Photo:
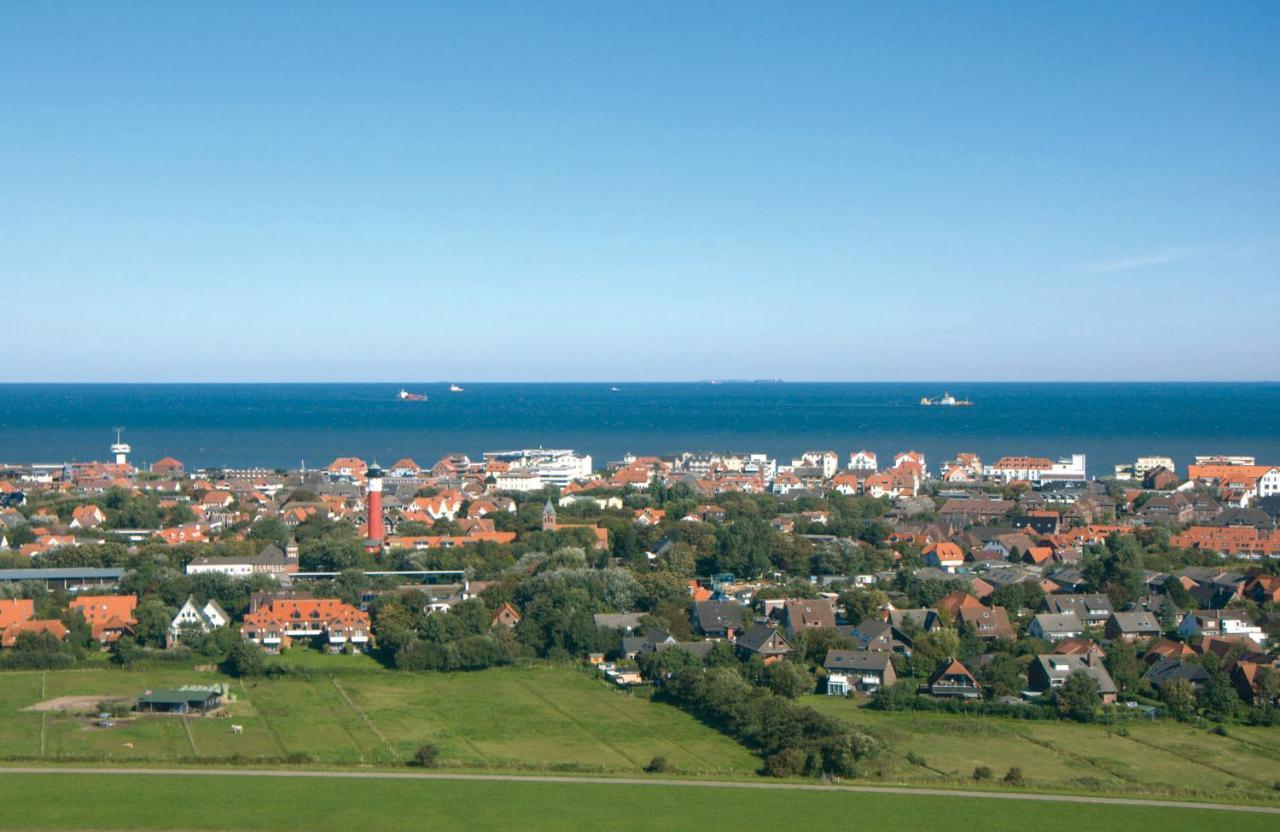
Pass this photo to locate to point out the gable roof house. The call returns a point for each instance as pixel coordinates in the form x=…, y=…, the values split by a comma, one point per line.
x=809, y=614
x=1168, y=670
x=276, y=624
x=1093, y=608
x=860, y=671
x=763, y=640
x=109, y=616
x=1051, y=671
x=206, y=617
x=988, y=623
x=717, y=619
x=952, y=679
x=1220, y=623
x=1132, y=626
x=944, y=555
x=1055, y=626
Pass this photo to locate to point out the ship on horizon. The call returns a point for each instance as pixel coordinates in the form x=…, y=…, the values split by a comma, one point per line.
x=945, y=400
x=406, y=396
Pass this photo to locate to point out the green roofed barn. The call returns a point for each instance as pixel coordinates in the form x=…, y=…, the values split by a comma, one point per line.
x=192, y=700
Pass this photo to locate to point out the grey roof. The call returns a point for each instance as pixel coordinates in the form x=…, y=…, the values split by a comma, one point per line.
x=719, y=615
x=618, y=620
x=1066, y=622
x=1167, y=670
x=857, y=660
x=1058, y=666
x=1136, y=622
x=60, y=573
x=755, y=638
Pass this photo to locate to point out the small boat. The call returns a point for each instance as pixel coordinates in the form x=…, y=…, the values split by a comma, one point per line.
x=406, y=396
x=615, y=389
x=946, y=400
x=453, y=388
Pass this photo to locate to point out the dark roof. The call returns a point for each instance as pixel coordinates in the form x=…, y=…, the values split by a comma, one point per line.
x=719, y=615
x=856, y=660
x=1167, y=670
x=755, y=639
x=177, y=697
x=60, y=573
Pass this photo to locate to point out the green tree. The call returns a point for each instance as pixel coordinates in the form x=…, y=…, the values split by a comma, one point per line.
x=245, y=659
x=789, y=679
x=1179, y=699
x=1122, y=663
x=1077, y=697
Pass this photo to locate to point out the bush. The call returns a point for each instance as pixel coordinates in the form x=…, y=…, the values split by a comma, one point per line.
x=915, y=759
x=983, y=773
x=427, y=756
x=1013, y=776
x=245, y=659
x=1220, y=730
x=658, y=765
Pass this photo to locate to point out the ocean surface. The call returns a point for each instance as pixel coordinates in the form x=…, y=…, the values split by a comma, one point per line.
x=283, y=425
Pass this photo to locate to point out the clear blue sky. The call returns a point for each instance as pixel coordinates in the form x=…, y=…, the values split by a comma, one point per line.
x=557, y=191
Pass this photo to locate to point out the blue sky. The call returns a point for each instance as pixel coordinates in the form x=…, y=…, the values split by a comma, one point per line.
x=558, y=191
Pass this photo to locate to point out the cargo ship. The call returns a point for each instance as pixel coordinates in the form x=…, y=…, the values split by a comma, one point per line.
x=406, y=396
x=945, y=400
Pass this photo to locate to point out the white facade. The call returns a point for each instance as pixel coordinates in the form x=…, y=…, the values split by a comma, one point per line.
x=237, y=569
x=1066, y=469
x=1150, y=463
x=862, y=461
x=517, y=481
x=828, y=461
x=553, y=467
x=1269, y=483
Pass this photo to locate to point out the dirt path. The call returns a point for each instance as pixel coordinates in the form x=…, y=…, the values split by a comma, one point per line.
x=630, y=781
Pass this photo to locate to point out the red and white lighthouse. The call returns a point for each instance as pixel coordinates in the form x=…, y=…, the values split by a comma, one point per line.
x=373, y=505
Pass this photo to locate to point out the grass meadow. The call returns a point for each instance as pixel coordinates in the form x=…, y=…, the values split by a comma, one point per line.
x=206, y=802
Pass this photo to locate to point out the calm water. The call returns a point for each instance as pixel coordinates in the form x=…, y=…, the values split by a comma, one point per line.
x=281, y=424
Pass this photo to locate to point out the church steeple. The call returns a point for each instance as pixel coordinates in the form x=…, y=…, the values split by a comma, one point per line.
x=549, y=523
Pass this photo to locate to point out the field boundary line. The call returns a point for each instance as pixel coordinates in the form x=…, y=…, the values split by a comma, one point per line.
x=191, y=738
x=573, y=718
x=271, y=729
x=347, y=698
x=1039, y=797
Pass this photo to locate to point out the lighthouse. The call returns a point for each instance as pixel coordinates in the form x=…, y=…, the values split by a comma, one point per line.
x=373, y=504
x=121, y=449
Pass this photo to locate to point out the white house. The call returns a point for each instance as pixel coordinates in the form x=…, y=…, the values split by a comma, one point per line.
x=209, y=617
x=862, y=461
x=828, y=461
x=1220, y=623
x=1056, y=626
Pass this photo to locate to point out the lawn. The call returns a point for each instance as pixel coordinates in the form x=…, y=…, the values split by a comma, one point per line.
x=1157, y=757
x=536, y=718
x=204, y=802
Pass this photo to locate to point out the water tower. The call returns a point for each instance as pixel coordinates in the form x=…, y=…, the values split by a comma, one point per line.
x=121, y=449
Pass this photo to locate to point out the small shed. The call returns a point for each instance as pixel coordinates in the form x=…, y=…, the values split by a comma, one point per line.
x=197, y=700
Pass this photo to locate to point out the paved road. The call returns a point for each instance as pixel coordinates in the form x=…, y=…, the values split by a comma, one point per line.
x=629, y=781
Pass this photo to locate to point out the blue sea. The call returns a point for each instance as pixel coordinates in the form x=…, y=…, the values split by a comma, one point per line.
x=283, y=425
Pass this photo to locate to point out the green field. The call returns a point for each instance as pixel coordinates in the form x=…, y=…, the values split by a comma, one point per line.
x=203, y=802
x=1163, y=757
x=545, y=718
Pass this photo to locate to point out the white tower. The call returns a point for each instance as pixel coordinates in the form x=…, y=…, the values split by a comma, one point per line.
x=121, y=449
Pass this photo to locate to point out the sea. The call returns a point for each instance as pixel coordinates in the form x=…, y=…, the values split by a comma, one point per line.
x=288, y=425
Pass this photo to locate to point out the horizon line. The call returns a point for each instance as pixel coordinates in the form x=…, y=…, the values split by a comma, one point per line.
x=707, y=381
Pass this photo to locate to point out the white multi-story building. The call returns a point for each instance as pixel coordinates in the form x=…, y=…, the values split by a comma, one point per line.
x=862, y=461
x=552, y=467
x=1150, y=463
x=827, y=461
x=1035, y=469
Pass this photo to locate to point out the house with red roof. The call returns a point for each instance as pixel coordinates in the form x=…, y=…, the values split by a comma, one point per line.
x=87, y=517
x=109, y=616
